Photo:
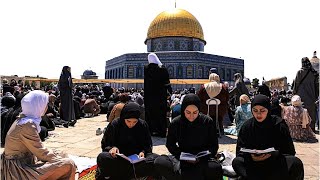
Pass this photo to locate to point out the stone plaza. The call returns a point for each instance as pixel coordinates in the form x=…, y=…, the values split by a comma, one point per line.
x=82, y=140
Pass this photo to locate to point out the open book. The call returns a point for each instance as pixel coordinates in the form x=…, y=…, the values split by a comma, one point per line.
x=256, y=151
x=132, y=158
x=191, y=157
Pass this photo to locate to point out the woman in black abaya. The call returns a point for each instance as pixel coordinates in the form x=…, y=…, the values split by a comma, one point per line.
x=264, y=131
x=127, y=135
x=65, y=87
x=191, y=132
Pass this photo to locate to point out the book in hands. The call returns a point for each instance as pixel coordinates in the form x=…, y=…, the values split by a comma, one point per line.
x=256, y=151
x=132, y=158
x=191, y=157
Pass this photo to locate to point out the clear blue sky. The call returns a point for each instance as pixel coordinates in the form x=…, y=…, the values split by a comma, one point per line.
x=39, y=37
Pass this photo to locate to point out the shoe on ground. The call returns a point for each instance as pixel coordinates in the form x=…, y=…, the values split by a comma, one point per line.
x=98, y=132
x=66, y=125
x=73, y=122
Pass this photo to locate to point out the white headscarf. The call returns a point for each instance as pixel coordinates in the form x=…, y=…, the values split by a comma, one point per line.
x=153, y=58
x=33, y=105
x=213, y=88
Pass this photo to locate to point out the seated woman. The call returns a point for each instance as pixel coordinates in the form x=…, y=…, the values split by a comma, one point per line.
x=117, y=108
x=24, y=155
x=243, y=113
x=191, y=132
x=127, y=135
x=298, y=120
x=264, y=131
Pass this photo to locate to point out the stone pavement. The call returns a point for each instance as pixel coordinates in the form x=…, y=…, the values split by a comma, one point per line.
x=82, y=140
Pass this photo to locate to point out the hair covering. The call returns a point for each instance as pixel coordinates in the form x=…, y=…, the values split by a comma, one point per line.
x=190, y=99
x=4, y=81
x=244, y=98
x=52, y=98
x=261, y=100
x=238, y=77
x=213, y=88
x=8, y=100
x=296, y=100
x=65, y=70
x=33, y=105
x=214, y=77
x=153, y=58
x=175, y=101
x=139, y=100
x=130, y=110
x=124, y=97
x=306, y=65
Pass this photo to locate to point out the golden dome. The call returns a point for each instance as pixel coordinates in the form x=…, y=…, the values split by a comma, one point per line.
x=177, y=22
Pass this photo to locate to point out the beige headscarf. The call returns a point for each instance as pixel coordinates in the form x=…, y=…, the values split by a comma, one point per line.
x=245, y=99
x=213, y=87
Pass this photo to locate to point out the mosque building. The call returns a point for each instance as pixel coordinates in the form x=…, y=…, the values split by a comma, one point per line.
x=89, y=74
x=177, y=38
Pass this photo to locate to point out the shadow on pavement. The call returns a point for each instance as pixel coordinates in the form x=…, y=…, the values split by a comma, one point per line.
x=227, y=140
x=156, y=141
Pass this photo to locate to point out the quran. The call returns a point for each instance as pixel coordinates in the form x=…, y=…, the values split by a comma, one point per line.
x=191, y=157
x=256, y=151
x=132, y=158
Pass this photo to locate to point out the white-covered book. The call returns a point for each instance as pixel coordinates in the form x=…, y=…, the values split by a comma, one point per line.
x=191, y=157
x=257, y=151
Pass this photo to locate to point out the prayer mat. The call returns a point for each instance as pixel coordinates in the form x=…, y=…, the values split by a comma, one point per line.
x=88, y=174
x=228, y=178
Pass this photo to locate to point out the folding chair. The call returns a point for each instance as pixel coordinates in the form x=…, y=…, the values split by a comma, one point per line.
x=216, y=102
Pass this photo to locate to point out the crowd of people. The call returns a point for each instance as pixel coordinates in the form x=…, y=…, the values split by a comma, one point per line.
x=260, y=119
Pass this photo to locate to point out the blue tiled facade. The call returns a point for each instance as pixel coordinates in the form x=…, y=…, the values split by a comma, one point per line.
x=182, y=56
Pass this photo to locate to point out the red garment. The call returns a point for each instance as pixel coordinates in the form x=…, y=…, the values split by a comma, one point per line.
x=223, y=96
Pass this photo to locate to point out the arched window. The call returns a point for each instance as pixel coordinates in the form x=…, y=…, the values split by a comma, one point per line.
x=200, y=72
x=130, y=72
x=222, y=74
x=139, y=72
x=171, y=71
x=179, y=72
x=189, y=71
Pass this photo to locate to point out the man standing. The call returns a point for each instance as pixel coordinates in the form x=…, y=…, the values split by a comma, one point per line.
x=156, y=87
x=306, y=85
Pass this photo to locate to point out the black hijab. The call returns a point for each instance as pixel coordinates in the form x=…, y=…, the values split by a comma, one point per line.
x=65, y=77
x=65, y=71
x=261, y=100
x=189, y=99
x=264, y=101
x=306, y=65
x=130, y=110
